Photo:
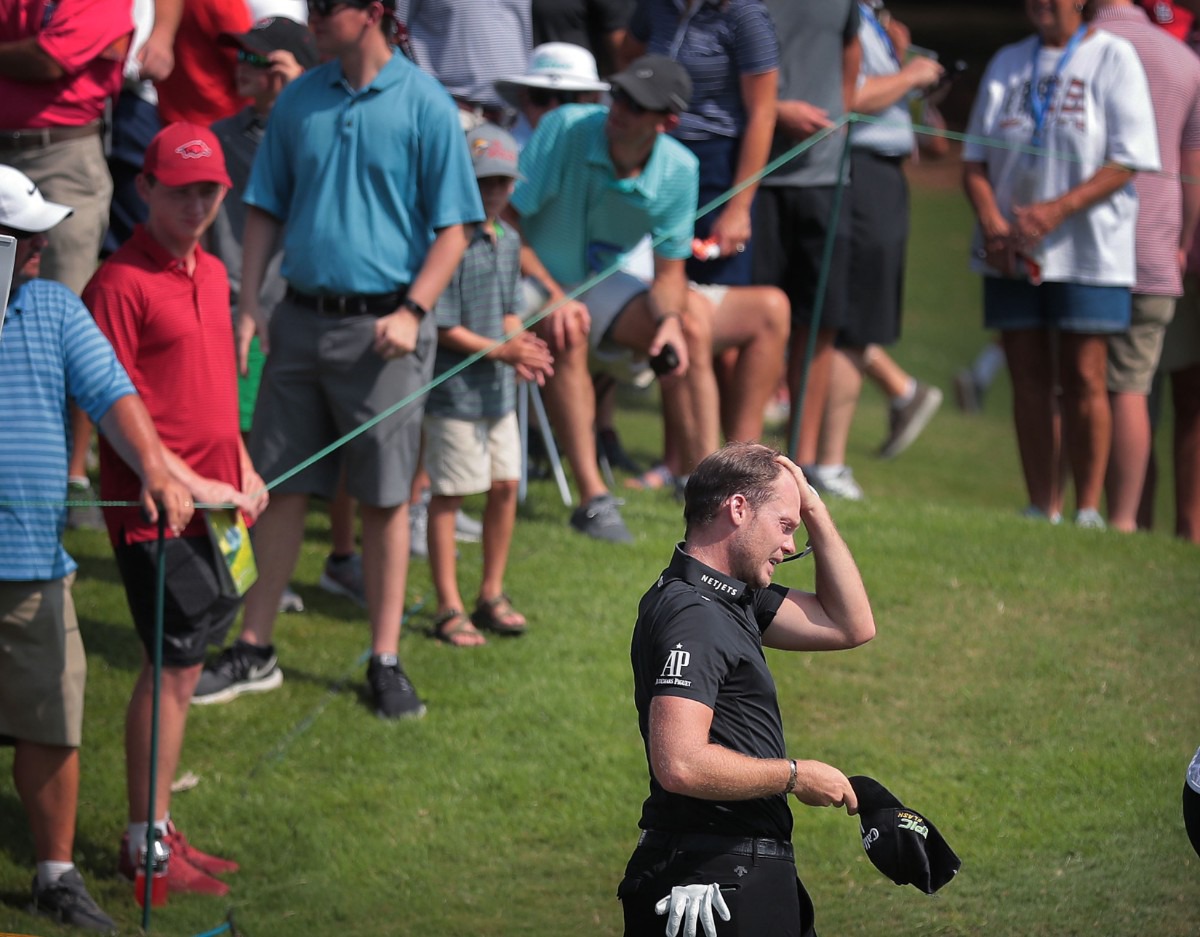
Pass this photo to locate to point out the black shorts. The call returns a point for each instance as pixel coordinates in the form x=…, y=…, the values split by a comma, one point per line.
x=195, y=611
x=764, y=895
x=790, y=224
x=879, y=225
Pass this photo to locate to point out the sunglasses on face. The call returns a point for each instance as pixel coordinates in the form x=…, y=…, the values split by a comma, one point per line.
x=541, y=97
x=253, y=59
x=18, y=235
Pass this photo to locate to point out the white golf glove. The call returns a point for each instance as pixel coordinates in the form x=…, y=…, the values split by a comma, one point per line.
x=689, y=902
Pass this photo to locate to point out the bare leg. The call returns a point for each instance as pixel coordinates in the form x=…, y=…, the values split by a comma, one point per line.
x=47, y=781
x=178, y=685
x=1185, y=391
x=845, y=385
x=883, y=370
x=1031, y=366
x=385, y=572
x=1087, y=419
x=816, y=388
x=277, y=539
x=571, y=404
x=499, y=519
x=756, y=321
x=1128, y=460
x=442, y=562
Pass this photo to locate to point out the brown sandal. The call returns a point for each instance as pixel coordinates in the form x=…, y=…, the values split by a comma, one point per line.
x=455, y=629
x=498, y=615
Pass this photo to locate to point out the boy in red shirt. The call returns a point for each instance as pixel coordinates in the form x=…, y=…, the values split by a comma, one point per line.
x=163, y=303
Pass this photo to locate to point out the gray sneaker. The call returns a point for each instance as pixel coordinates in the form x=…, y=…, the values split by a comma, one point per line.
x=67, y=901
x=83, y=516
x=967, y=391
x=906, y=423
x=601, y=518
x=392, y=693
x=240, y=668
x=344, y=577
x=290, y=601
x=837, y=482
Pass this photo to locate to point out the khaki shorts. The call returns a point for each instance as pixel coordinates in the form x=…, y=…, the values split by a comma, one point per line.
x=1133, y=355
x=42, y=665
x=464, y=457
x=72, y=172
x=1181, y=348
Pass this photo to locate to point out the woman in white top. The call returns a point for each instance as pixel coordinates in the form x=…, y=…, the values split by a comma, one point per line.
x=1069, y=115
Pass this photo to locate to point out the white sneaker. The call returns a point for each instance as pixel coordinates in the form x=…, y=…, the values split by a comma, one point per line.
x=1089, y=519
x=834, y=480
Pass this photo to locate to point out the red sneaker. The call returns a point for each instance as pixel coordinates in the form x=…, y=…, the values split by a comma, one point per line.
x=179, y=846
x=182, y=876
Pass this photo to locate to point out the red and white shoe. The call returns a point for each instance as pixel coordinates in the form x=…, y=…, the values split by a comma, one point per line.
x=182, y=876
x=179, y=846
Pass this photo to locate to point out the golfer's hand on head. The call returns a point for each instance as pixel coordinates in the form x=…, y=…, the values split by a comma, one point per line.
x=822, y=785
x=688, y=904
x=809, y=497
x=396, y=334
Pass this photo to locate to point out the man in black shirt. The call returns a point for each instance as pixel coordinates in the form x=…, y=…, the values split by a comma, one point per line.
x=717, y=826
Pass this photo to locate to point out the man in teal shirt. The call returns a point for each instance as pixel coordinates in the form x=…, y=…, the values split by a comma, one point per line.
x=596, y=181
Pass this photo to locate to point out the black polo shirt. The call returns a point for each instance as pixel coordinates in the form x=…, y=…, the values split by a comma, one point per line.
x=699, y=636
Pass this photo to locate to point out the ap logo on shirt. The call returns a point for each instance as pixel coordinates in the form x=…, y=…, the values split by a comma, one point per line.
x=672, y=672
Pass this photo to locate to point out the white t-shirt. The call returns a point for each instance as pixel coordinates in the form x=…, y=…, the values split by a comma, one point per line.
x=1100, y=112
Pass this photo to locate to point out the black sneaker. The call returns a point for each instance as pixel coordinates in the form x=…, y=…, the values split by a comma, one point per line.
x=67, y=901
x=391, y=693
x=240, y=668
x=906, y=423
x=601, y=518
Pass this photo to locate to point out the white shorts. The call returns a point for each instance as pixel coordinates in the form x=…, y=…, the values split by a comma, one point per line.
x=464, y=457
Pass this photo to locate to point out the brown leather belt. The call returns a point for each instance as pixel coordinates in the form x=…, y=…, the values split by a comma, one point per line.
x=37, y=137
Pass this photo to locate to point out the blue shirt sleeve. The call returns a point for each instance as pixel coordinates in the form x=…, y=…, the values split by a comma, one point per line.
x=449, y=191
x=756, y=48
x=94, y=376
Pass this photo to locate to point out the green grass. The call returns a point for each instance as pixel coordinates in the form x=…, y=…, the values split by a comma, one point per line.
x=1033, y=689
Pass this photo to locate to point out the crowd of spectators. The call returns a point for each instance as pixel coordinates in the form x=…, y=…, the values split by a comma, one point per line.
x=334, y=203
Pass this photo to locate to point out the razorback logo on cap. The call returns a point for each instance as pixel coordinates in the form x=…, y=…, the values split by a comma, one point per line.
x=194, y=149
x=263, y=23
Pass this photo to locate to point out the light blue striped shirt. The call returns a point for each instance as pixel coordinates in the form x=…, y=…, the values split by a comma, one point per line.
x=50, y=350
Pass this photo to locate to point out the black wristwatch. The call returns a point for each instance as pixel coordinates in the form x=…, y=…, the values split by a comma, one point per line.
x=414, y=307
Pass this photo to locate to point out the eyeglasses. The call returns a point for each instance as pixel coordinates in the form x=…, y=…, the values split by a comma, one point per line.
x=622, y=97
x=253, y=59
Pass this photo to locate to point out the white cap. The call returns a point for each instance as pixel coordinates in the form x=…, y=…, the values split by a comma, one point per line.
x=22, y=206
x=558, y=66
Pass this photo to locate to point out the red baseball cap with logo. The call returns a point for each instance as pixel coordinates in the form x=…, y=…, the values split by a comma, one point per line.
x=183, y=153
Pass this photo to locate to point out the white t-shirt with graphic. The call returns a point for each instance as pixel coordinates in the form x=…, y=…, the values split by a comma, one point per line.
x=1099, y=112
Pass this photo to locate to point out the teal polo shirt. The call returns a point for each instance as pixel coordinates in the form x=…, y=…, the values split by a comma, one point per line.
x=361, y=179
x=579, y=217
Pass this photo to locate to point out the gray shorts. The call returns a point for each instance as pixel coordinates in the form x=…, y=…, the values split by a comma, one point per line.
x=323, y=380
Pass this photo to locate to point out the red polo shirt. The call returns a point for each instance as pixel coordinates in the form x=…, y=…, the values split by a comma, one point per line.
x=89, y=39
x=201, y=88
x=174, y=335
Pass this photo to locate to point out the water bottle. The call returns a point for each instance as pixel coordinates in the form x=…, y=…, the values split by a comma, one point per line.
x=158, y=875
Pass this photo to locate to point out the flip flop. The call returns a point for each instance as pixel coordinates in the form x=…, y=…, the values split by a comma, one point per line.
x=498, y=615
x=652, y=479
x=455, y=629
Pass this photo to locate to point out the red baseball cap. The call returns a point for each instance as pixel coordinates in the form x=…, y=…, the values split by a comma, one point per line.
x=183, y=153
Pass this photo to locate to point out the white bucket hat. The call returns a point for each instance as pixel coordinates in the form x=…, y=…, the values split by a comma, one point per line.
x=556, y=66
x=22, y=206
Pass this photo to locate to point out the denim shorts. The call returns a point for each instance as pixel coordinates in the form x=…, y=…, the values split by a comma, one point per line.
x=1013, y=305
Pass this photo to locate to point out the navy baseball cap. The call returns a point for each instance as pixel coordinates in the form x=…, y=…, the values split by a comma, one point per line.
x=901, y=843
x=276, y=32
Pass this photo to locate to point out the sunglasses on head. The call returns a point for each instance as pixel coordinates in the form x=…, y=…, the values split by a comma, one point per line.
x=253, y=59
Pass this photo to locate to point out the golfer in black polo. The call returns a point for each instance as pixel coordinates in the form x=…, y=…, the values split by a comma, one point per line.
x=717, y=826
